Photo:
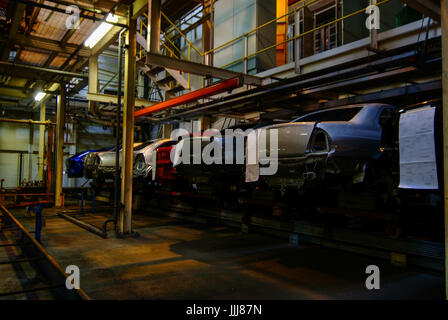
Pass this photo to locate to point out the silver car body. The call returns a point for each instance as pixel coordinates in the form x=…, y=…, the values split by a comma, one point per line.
x=295, y=140
x=359, y=137
x=143, y=158
x=102, y=164
x=302, y=152
x=337, y=140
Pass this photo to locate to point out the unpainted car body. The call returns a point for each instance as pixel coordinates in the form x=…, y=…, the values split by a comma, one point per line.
x=75, y=164
x=232, y=156
x=336, y=141
x=302, y=153
x=101, y=165
x=355, y=134
x=143, y=157
x=357, y=130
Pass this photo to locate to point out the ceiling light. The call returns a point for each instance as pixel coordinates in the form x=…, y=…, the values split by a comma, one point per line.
x=101, y=31
x=39, y=96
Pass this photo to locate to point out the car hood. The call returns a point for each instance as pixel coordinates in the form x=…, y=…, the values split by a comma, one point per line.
x=108, y=159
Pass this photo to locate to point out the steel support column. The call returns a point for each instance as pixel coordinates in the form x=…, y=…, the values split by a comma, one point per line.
x=93, y=82
x=125, y=219
x=154, y=7
x=59, y=145
x=373, y=31
x=297, y=42
x=41, y=160
x=30, y=152
x=444, y=23
x=206, y=28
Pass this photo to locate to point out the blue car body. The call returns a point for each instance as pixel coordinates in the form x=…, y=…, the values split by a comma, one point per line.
x=75, y=164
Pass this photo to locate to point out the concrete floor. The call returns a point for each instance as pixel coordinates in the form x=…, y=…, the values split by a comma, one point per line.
x=173, y=259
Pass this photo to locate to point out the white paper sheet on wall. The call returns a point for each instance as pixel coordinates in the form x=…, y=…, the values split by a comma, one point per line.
x=418, y=167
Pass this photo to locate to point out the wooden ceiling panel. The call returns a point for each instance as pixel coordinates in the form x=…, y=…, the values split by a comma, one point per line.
x=33, y=57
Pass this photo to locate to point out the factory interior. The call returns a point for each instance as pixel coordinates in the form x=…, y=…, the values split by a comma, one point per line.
x=216, y=150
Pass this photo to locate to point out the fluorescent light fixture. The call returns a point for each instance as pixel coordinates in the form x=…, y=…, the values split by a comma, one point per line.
x=101, y=31
x=39, y=96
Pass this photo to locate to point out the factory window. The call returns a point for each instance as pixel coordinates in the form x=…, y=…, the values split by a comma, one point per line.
x=326, y=37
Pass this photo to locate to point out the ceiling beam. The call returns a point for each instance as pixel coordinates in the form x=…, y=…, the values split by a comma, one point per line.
x=110, y=98
x=106, y=41
x=33, y=18
x=70, y=33
x=96, y=7
x=138, y=7
x=78, y=87
x=428, y=7
x=17, y=18
x=402, y=94
x=46, y=44
x=34, y=72
x=57, y=9
x=50, y=59
x=13, y=92
x=200, y=69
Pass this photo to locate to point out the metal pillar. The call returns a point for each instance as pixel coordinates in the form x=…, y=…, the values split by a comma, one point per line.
x=154, y=7
x=128, y=130
x=93, y=81
x=59, y=146
x=117, y=130
x=206, y=29
x=297, y=42
x=30, y=153
x=373, y=32
x=212, y=31
x=49, y=160
x=41, y=160
x=444, y=24
x=38, y=223
x=167, y=129
x=19, y=182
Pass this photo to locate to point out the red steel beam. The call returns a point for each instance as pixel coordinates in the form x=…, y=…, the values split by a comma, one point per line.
x=190, y=97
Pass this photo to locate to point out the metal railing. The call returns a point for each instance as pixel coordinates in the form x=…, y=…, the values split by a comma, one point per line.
x=245, y=36
x=301, y=35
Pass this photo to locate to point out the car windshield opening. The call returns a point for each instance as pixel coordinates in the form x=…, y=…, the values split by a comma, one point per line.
x=144, y=144
x=346, y=114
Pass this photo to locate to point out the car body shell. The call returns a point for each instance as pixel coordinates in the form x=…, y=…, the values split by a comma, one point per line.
x=360, y=137
x=352, y=133
x=75, y=164
x=143, y=158
x=102, y=164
